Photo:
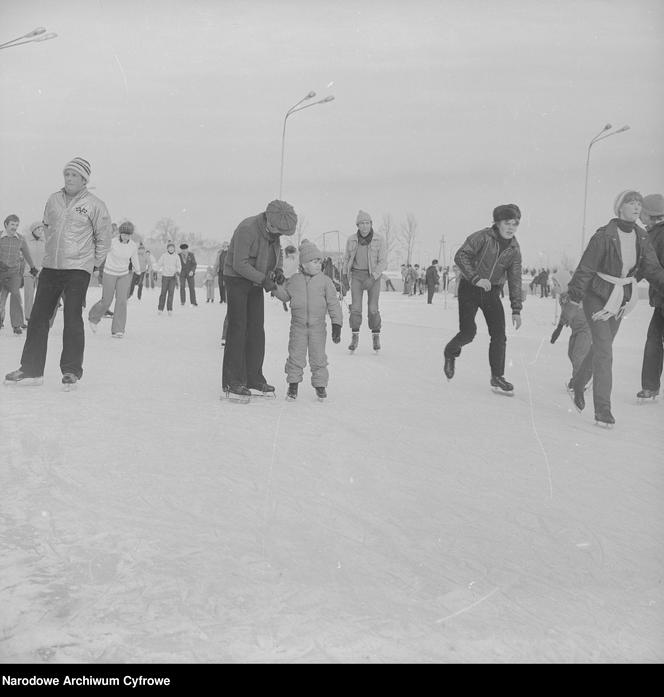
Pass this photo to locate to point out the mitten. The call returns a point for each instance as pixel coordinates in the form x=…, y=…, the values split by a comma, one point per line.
x=268, y=284
x=34, y=272
x=336, y=333
x=278, y=276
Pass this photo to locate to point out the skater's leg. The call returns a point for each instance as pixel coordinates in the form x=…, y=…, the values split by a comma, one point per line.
x=297, y=354
x=373, y=314
x=469, y=302
x=254, y=348
x=234, y=369
x=494, y=314
x=73, y=333
x=653, y=352
x=317, y=357
x=356, y=294
x=120, y=312
x=108, y=287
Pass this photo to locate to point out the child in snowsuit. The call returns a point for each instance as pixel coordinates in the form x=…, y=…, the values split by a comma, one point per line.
x=312, y=296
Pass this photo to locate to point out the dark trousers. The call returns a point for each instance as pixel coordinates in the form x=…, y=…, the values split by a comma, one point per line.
x=72, y=285
x=222, y=289
x=653, y=353
x=188, y=281
x=431, y=289
x=245, y=336
x=137, y=280
x=471, y=299
x=10, y=281
x=167, y=289
x=599, y=359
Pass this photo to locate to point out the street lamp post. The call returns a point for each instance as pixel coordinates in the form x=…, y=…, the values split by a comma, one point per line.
x=292, y=110
x=600, y=136
x=38, y=34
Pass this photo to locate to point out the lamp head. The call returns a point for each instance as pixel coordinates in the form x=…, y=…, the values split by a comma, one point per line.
x=311, y=95
x=35, y=32
x=608, y=125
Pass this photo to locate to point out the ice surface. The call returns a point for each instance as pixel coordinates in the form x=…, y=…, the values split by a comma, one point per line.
x=406, y=519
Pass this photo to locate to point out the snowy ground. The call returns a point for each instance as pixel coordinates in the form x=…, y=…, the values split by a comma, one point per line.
x=407, y=519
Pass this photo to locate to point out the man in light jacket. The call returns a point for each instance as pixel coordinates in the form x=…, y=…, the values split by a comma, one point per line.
x=364, y=261
x=77, y=233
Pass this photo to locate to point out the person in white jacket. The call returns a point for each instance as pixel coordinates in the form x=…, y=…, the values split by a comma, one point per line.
x=169, y=265
x=116, y=281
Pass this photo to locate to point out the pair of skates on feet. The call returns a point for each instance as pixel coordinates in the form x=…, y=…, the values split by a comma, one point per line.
x=355, y=341
x=18, y=377
x=498, y=382
x=244, y=393
x=291, y=395
x=603, y=415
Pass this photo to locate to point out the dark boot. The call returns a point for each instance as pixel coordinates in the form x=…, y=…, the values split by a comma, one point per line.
x=321, y=392
x=376, y=340
x=448, y=368
x=292, y=390
x=604, y=416
x=355, y=340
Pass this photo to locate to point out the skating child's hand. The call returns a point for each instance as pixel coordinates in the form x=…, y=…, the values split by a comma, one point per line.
x=278, y=277
x=484, y=284
x=336, y=333
x=516, y=320
x=34, y=272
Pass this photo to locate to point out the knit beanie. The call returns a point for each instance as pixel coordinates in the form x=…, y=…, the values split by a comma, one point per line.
x=625, y=197
x=169, y=245
x=126, y=228
x=36, y=225
x=362, y=217
x=81, y=166
x=309, y=251
x=653, y=205
x=508, y=211
x=282, y=217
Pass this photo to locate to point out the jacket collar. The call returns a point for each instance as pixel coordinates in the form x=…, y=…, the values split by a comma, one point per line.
x=493, y=232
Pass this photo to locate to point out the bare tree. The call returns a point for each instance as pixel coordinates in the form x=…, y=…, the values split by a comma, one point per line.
x=391, y=238
x=165, y=231
x=407, y=235
x=300, y=228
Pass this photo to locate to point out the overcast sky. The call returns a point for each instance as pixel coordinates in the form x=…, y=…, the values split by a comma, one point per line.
x=442, y=109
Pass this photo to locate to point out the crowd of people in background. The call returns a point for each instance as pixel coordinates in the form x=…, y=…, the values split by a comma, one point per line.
x=55, y=260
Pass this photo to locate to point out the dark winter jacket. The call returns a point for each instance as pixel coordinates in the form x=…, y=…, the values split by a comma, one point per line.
x=432, y=277
x=253, y=251
x=602, y=255
x=656, y=236
x=188, y=261
x=480, y=257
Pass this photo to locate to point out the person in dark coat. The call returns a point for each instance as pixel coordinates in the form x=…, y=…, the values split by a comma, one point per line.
x=652, y=216
x=187, y=275
x=253, y=265
x=432, y=279
x=618, y=255
x=484, y=260
x=219, y=270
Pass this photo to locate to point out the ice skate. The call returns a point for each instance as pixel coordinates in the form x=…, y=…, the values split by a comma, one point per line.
x=262, y=390
x=93, y=327
x=291, y=395
x=577, y=395
x=321, y=393
x=448, y=368
x=604, y=417
x=375, y=336
x=643, y=395
x=237, y=393
x=69, y=381
x=117, y=335
x=18, y=377
x=355, y=340
x=501, y=386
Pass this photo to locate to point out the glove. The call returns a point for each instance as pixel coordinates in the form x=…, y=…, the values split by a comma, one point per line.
x=556, y=332
x=33, y=272
x=336, y=333
x=278, y=276
x=516, y=320
x=484, y=284
x=368, y=283
x=268, y=284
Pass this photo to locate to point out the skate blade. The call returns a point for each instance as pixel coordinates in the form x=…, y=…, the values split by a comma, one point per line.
x=69, y=387
x=235, y=399
x=645, y=400
x=603, y=424
x=290, y=399
x=264, y=395
x=497, y=390
x=26, y=382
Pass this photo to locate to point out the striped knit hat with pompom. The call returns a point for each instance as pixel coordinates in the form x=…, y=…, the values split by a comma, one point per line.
x=80, y=166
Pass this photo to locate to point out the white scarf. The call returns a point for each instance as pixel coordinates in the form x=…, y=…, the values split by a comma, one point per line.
x=612, y=307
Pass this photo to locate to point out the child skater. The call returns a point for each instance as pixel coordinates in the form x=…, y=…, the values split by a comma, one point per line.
x=312, y=296
x=209, y=285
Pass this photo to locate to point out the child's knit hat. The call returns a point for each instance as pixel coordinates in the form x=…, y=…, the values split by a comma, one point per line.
x=309, y=251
